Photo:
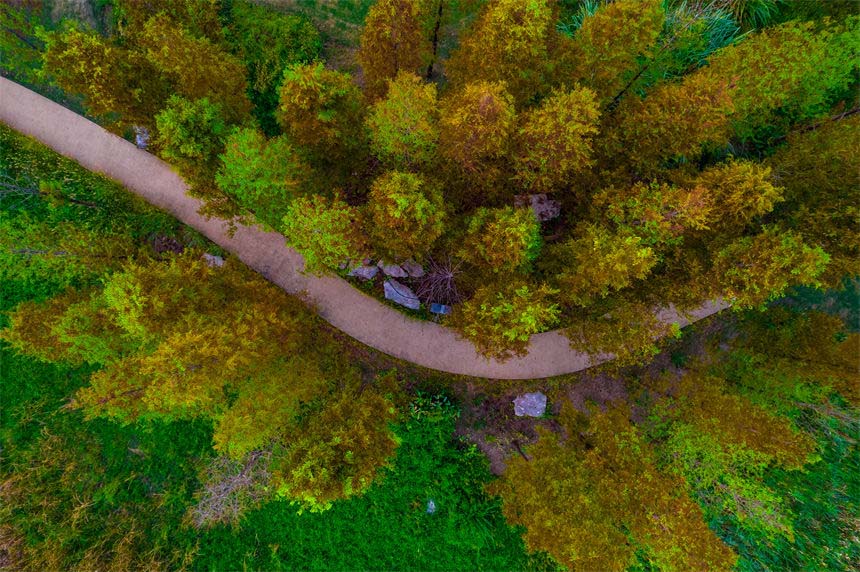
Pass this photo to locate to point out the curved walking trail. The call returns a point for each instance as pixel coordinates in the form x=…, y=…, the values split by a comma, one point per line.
x=343, y=306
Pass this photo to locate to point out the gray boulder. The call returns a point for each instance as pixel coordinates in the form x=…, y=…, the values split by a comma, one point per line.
x=392, y=270
x=531, y=404
x=543, y=207
x=412, y=268
x=401, y=294
x=364, y=272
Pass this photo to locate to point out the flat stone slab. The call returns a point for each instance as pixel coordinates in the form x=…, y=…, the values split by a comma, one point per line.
x=401, y=294
x=412, y=268
x=392, y=270
x=364, y=272
x=530, y=404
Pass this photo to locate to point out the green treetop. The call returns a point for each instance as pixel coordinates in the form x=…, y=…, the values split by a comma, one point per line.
x=262, y=175
x=326, y=232
x=500, y=320
x=407, y=215
x=404, y=127
x=502, y=240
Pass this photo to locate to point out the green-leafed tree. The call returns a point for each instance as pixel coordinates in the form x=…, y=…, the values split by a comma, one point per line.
x=752, y=271
x=502, y=240
x=326, y=232
x=175, y=338
x=404, y=127
x=500, y=319
x=35, y=250
x=255, y=420
x=20, y=48
x=787, y=73
x=267, y=41
x=722, y=443
x=658, y=214
x=262, y=175
x=191, y=135
x=799, y=348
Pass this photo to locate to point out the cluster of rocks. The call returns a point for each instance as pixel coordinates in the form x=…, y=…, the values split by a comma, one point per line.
x=543, y=207
x=395, y=291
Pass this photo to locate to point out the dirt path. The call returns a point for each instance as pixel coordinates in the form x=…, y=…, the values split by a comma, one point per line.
x=362, y=317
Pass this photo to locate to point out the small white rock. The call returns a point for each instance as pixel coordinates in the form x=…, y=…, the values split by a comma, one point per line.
x=213, y=260
x=531, y=404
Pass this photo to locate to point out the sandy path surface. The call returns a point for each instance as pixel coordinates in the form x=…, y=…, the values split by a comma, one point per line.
x=355, y=313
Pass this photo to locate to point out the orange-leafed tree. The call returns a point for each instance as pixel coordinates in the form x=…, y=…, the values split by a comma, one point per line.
x=554, y=140
x=476, y=125
x=393, y=40
x=608, y=49
x=196, y=67
x=112, y=79
x=676, y=121
x=590, y=498
x=819, y=170
x=508, y=42
x=502, y=240
x=743, y=191
x=597, y=262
